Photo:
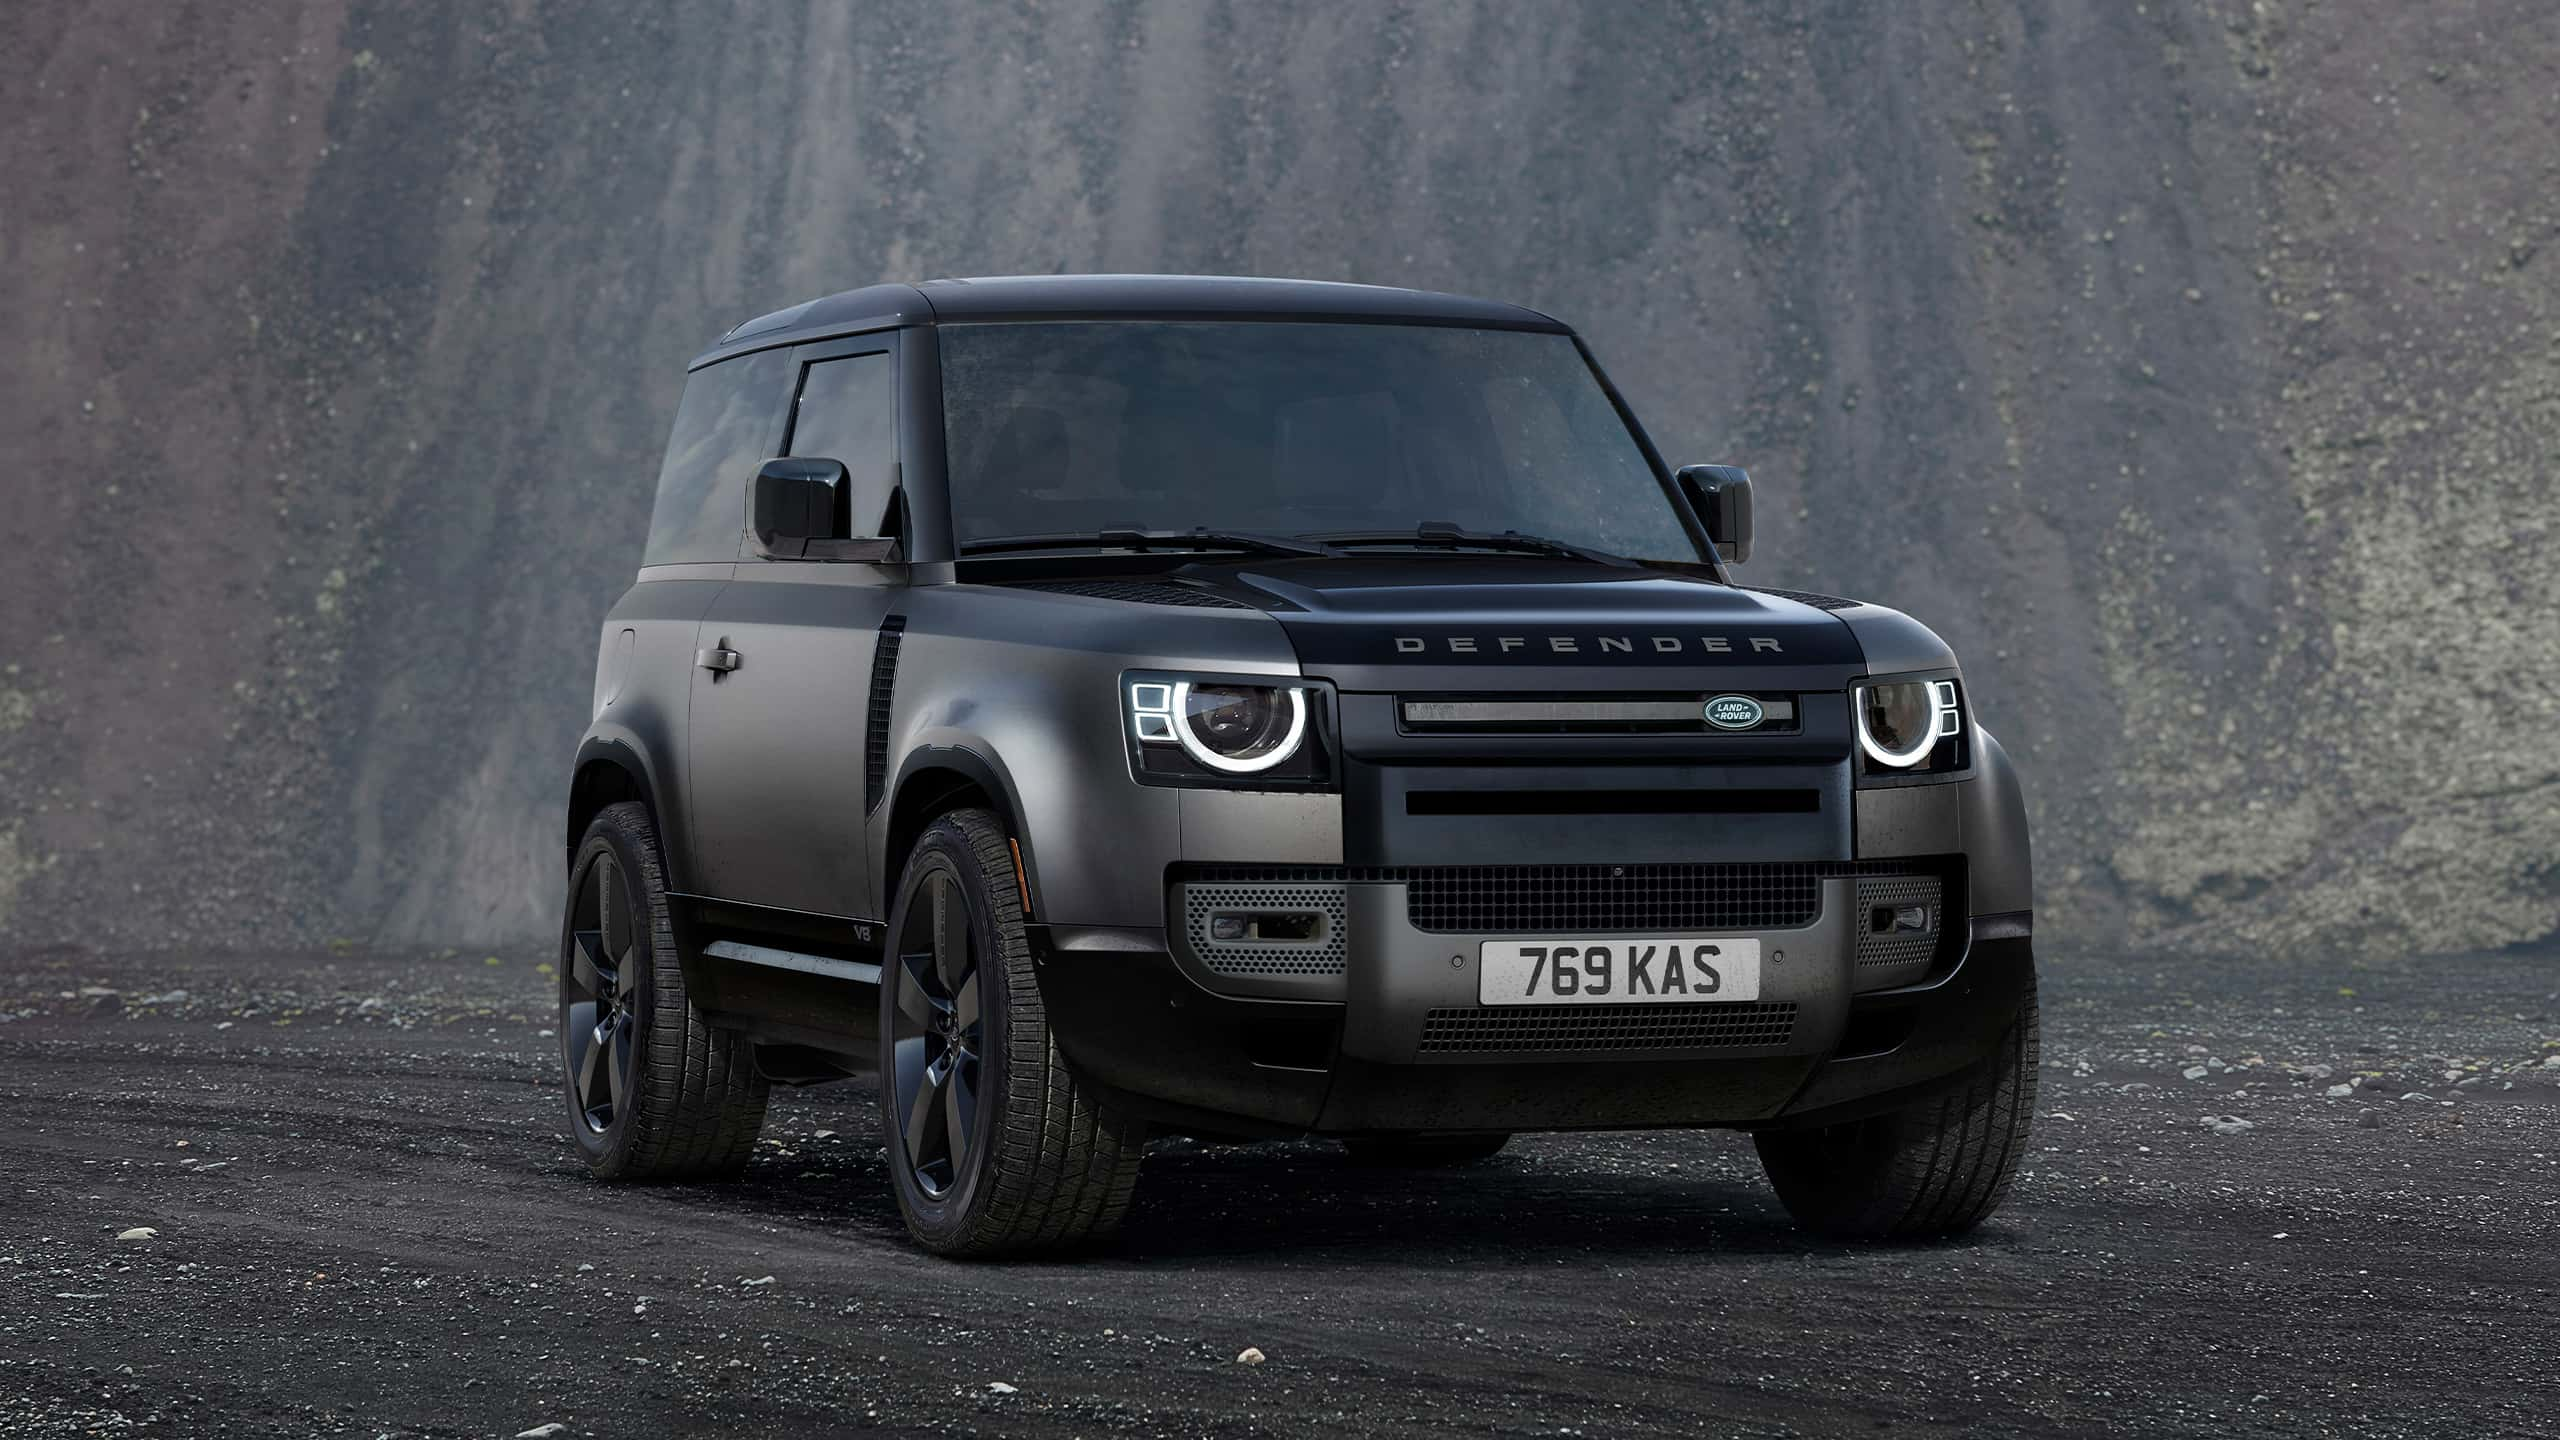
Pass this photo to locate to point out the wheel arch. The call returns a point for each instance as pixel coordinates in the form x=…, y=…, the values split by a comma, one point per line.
x=1996, y=836
x=611, y=769
x=934, y=780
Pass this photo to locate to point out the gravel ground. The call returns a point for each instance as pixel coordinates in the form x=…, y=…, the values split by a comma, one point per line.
x=2264, y=1198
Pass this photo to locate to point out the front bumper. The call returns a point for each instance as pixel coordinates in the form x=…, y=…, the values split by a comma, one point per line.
x=1375, y=1024
x=1383, y=1030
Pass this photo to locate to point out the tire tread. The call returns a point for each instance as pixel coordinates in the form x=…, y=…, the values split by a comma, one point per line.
x=1064, y=1166
x=1939, y=1166
x=699, y=1099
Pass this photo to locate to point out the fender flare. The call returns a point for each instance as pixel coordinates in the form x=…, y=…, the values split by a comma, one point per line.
x=1996, y=832
x=973, y=759
x=622, y=750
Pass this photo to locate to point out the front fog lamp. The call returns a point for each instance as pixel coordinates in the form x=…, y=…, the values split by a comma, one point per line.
x=1901, y=722
x=1233, y=729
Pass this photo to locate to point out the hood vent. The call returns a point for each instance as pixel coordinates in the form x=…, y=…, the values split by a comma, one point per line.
x=1137, y=592
x=875, y=735
x=1805, y=597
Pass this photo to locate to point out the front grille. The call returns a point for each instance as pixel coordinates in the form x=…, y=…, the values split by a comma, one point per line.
x=1495, y=899
x=1613, y=1028
x=1321, y=955
x=1568, y=714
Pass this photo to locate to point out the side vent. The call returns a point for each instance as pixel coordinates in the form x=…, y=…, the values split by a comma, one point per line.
x=875, y=734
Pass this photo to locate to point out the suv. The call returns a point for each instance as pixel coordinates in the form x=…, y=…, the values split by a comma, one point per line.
x=1103, y=704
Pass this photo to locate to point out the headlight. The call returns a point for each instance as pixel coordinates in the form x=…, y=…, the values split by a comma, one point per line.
x=1239, y=728
x=1197, y=729
x=1903, y=724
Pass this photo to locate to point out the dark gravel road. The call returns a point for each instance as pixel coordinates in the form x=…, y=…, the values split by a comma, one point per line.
x=368, y=1223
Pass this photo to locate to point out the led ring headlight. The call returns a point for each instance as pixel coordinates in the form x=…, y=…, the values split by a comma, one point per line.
x=1232, y=729
x=1230, y=720
x=1899, y=723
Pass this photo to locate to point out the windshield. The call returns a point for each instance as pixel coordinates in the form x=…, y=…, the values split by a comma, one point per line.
x=1290, y=429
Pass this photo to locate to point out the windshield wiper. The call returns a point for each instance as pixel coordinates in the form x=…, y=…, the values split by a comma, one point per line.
x=1441, y=535
x=1130, y=538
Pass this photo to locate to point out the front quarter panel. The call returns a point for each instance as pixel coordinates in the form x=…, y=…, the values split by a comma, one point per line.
x=1028, y=683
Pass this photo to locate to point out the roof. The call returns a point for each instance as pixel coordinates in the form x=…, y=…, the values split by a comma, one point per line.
x=1117, y=297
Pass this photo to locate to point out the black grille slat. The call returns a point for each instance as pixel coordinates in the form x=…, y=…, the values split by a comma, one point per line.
x=875, y=735
x=1140, y=592
x=1532, y=1029
x=1496, y=898
x=1532, y=899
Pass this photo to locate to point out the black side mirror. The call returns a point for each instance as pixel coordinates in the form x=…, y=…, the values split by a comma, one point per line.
x=1721, y=494
x=802, y=510
x=796, y=501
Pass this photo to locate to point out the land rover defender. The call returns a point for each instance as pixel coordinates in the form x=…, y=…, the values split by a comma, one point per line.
x=1104, y=705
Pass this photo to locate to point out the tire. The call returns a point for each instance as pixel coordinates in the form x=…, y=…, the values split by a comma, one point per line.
x=1423, y=1151
x=654, y=1093
x=1937, y=1167
x=1040, y=1162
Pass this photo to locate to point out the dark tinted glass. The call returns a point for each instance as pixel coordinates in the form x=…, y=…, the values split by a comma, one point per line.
x=723, y=426
x=1291, y=428
x=848, y=412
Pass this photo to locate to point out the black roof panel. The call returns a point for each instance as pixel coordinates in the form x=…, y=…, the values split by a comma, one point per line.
x=1126, y=297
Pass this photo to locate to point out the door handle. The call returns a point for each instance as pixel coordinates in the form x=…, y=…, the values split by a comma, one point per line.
x=719, y=659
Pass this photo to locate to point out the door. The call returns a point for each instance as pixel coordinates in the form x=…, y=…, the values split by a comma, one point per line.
x=782, y=684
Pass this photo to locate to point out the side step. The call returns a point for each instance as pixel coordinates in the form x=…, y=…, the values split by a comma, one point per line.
x=858, y=970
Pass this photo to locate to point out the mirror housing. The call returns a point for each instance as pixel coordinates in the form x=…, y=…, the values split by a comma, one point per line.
x=795, y=502
x=798, y=511
x=1721, y=494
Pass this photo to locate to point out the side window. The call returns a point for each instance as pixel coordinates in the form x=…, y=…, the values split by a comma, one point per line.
x=848, y=411
x=723, y=425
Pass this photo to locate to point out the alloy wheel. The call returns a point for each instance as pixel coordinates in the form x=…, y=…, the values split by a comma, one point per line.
x=599, y=993
x=936, y=1033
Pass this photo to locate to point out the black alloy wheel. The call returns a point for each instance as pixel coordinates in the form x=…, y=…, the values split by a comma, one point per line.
x=599, y=994
x=937, y=1036
x=654, y=1091
x=996, y=1145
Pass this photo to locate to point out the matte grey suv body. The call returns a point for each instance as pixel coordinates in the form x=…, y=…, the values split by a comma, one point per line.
x=1109, y=704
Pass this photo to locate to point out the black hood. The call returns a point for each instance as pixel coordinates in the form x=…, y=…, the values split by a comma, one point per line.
x=1503, y=622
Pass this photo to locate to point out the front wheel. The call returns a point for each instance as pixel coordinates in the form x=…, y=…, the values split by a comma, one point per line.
x=995, y=1146
x=1937, y=1167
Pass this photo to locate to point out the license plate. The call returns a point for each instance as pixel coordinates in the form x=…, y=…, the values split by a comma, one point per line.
x=1617, y=971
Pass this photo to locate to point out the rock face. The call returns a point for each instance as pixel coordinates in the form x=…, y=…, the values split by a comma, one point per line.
x=2194, y=367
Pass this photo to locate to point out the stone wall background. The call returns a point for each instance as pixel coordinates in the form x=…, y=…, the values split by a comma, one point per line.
x=2193, y=366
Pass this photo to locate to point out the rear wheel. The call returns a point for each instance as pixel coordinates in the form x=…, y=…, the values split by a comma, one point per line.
x=654, y=1092
x=1423, y=1151
x=1937, y=1167
x=995, y=1146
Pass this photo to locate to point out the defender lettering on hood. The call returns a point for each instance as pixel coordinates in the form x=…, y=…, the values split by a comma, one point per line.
x=1549, y=645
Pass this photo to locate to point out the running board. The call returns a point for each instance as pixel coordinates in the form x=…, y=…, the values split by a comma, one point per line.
x=859, y=970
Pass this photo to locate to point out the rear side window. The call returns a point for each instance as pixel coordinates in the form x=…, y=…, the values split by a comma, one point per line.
x=724, y=426
x=848, y=411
